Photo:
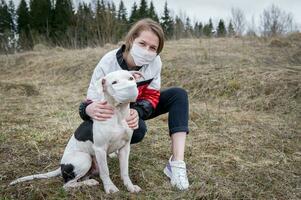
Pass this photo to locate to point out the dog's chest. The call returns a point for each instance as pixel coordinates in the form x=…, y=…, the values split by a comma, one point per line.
x=114, y=136
x=118, y=139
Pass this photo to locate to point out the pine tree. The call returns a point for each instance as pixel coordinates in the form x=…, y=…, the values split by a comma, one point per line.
x=12, y=12
x=167, y=23
x=179, y=28
x=23, y=18
x=112, y=9
x=143, y=10
x=80, y=26
x=6, y=23
x=100, y=18
x=122, y=26
x=198, y=29
x=23, y=21
x=134, y=14
x=122, y=14
x=152, y=13
x=13, y=32
x=208, y=28
x=188, y=28
x=63, y=18
x=231, y=31
x=201, y=29
x=84, y=26
x=6, y=27
x=90, y=33
x=221, y=29
x=111, y=23
x=40, y=16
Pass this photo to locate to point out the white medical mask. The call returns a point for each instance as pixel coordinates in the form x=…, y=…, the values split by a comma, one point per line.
x=142, y=56
x=125, y=93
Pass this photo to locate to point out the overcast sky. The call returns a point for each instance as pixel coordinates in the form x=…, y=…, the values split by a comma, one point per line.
x=202, y=10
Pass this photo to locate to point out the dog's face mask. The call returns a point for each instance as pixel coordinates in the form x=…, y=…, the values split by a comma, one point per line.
x=125, y=92
x=121, y=86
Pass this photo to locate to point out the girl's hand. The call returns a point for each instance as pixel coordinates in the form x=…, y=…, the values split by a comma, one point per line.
x=133, y=119
x=100, y=111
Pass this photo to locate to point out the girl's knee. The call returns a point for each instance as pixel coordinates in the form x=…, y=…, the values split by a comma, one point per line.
x=181, y=92
x=178, y=93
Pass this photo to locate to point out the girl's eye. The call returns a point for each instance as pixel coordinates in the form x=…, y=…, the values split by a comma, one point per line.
x=114, y=82
x=131, y=78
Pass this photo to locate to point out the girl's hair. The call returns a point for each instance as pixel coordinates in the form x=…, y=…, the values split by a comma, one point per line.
x=146, y=24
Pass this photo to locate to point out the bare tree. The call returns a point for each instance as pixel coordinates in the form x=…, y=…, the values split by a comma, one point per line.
x=239, y=20
x=274, y=21
x=251, y=30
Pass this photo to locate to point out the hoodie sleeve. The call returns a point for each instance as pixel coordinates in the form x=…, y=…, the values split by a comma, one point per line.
x=94, y=87
x=93, y=92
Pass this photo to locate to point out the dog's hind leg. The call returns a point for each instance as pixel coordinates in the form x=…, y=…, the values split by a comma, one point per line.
x=74, y=166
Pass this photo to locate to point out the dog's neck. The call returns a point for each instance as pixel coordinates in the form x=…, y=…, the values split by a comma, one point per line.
x=123, y=109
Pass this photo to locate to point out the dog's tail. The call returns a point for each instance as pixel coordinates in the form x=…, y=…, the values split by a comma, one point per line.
x=54, y=173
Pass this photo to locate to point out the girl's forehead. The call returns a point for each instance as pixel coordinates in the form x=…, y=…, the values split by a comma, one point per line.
x=148, y=37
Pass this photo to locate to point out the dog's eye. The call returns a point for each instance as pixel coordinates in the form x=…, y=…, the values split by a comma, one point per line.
x=131, y=78
x=114, y=82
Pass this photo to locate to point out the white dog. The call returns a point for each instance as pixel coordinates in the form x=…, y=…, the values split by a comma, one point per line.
x=78, y=162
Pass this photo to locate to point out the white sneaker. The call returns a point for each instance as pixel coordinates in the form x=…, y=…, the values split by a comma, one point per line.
x=176, y=171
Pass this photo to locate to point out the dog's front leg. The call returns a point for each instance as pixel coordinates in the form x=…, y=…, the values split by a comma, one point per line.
x=101, y=158
x=124, y=153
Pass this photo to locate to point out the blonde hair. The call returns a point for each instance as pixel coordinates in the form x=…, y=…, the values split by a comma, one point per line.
x=146, y=24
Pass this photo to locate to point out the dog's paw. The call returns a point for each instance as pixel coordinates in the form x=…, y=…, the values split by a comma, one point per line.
x=133, y=188
x=114, y=154
x=92, y=182
x=110, y=188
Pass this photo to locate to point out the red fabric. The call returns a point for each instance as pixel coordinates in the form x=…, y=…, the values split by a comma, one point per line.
x=148, y=94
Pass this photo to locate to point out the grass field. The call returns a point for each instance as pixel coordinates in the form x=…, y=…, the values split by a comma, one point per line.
x=245, y=120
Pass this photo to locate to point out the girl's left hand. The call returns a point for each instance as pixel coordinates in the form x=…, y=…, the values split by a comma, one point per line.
x=133, y=119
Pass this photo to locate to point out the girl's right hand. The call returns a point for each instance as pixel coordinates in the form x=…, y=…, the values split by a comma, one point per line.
x=100, y=110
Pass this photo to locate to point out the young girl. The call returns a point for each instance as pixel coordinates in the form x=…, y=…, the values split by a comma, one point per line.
x=141, y=50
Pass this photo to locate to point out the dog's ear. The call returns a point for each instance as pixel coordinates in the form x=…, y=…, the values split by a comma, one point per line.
x=103, y=82
x=101, y=85
x=136, y=74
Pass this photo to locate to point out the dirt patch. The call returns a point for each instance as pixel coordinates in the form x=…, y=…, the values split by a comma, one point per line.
x=40, y=47
x=296, y=57
x=279, y=43
x=295, y=38
x=18, y=89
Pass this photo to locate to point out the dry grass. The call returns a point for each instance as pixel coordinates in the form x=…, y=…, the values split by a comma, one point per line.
x=245, y=114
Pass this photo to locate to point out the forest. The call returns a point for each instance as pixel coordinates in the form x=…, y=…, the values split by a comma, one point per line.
x=66, y=24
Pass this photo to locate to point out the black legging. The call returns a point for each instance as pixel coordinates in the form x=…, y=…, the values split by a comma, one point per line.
x=172, y=100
